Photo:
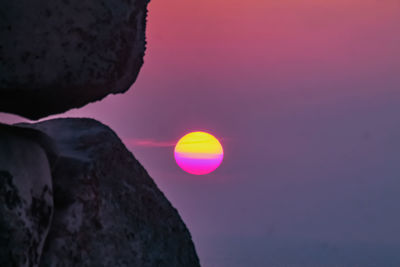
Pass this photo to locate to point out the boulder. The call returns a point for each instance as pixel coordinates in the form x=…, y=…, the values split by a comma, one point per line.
x=108, y=211
x=61, y=54
x=26, y=201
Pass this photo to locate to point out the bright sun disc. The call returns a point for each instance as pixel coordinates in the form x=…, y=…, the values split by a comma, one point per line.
x=198, y=153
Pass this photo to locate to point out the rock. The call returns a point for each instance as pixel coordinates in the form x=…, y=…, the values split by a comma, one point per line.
x=26, y=201
x=61, y=54
x=108, y=211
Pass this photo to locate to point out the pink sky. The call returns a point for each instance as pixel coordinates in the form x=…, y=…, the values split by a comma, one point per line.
x=306, y=95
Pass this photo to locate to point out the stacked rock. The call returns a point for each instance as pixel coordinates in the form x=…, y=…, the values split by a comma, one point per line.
x=62, y=54
x=71, y=194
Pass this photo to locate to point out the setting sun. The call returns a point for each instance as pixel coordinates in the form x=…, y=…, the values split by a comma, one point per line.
x=198, y=153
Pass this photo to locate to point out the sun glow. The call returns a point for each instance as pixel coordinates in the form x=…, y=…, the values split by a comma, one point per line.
x=198, y=153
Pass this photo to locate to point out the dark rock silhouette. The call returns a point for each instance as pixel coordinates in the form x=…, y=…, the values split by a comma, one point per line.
x=71, y=194
x=108, y=211
x=26, y=200
x=61, y=54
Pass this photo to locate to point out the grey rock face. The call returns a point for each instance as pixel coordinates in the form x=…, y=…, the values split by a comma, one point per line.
x=108, y=211
x=26, y=201
x=60, y=54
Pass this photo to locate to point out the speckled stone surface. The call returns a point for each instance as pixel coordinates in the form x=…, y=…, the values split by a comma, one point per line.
x=108, y=211
x=26, y=200
x=61, y=54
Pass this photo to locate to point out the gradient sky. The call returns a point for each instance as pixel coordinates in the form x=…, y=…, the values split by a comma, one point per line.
x=305, y=97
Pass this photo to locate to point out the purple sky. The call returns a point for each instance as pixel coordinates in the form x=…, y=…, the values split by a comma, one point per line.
x=305, y=97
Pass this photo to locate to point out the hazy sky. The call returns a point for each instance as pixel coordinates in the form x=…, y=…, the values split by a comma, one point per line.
x=305, y=96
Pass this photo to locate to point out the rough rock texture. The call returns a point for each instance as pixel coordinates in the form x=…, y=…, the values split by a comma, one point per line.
x=26, y=201
x=108, y=211
x=59, y=54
